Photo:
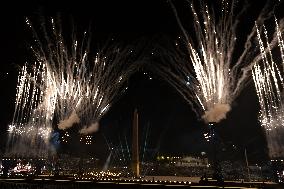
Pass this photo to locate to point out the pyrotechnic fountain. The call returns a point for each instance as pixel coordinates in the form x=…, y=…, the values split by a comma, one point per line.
x=206, y=74
x=269, y=84
x=63, y=86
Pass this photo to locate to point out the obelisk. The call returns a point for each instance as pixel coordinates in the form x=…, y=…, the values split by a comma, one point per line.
x=135, y=145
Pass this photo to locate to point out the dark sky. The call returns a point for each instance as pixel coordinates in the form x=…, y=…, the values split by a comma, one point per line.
x=172, y=126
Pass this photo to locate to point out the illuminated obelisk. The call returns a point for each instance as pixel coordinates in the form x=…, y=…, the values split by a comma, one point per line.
x=135, y=147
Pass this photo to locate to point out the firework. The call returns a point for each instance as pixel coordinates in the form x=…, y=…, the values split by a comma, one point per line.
x=268, y=80
x=207, y=75
x=65, y=85
x=32, y=122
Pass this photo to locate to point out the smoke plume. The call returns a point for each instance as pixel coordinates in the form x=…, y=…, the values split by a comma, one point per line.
x=275, y=142
x=94, y=127
x=217, y=113
x=67, y=123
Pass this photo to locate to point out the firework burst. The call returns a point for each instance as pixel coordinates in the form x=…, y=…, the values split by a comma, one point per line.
x=269, y=84
x=65, y=85
x=207, y=75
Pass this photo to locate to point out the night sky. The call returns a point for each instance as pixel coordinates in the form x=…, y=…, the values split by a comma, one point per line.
x=172, y=126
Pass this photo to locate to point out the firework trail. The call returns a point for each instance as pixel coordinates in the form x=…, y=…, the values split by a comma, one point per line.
x=269, y=84
x=31, y=127
x=65, y=85
x=205, y=74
